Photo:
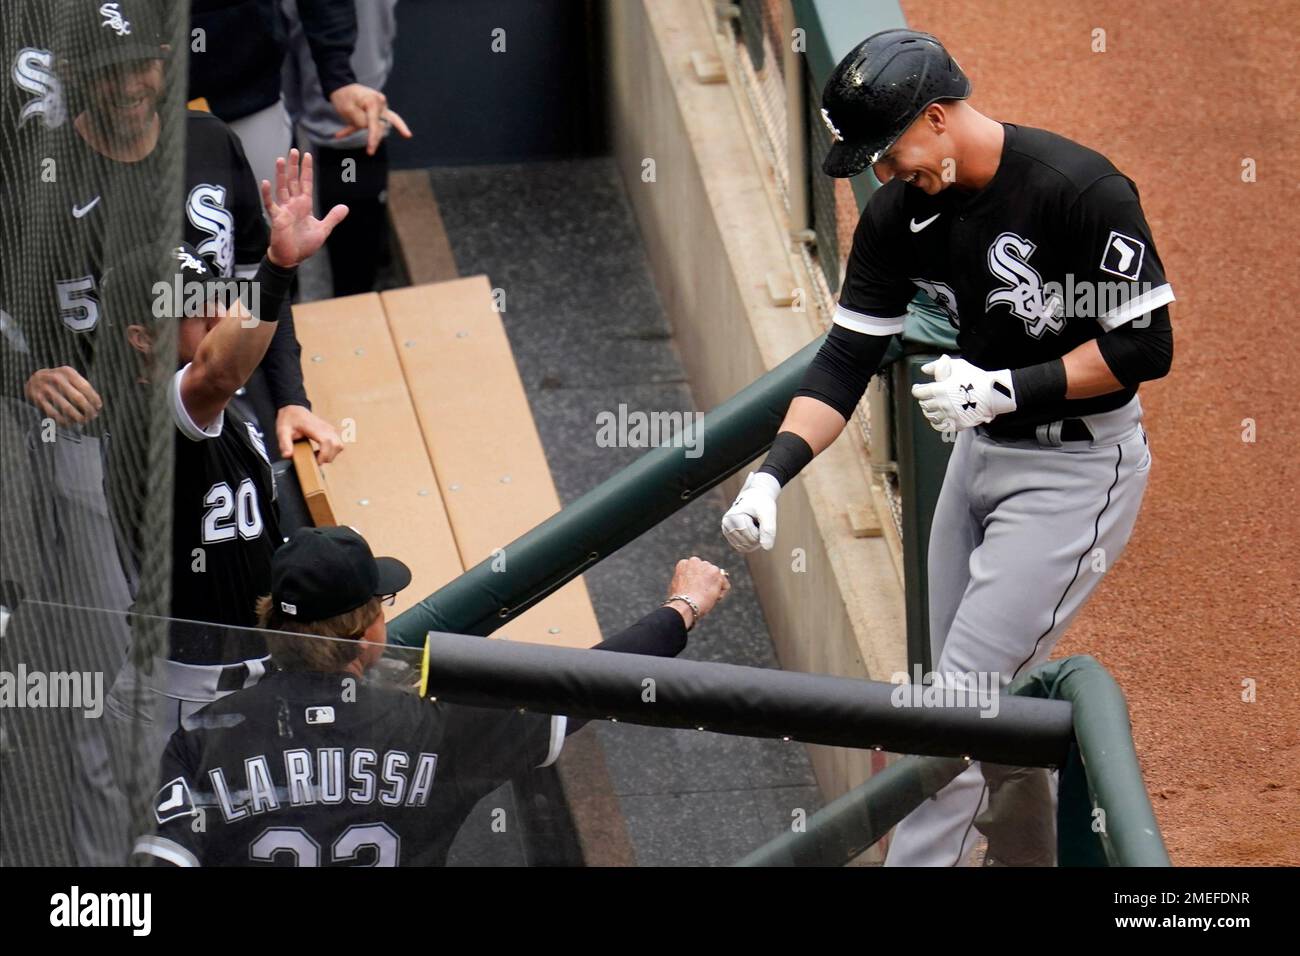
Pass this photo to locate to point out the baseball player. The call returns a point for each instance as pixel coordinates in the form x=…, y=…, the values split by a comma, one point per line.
x=111, y=155
x=1038, y=251
x=317, y=767
x=224, y=507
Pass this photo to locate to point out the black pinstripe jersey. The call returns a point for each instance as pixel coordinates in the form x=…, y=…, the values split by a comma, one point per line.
x=1052, y=252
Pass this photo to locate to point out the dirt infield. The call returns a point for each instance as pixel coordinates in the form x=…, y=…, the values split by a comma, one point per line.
x=1204, y=600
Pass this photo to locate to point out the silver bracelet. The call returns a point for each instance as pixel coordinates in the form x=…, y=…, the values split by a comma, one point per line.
x=695, y=608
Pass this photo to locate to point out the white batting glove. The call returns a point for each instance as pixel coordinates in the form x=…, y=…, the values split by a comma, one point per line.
x=752, y=519
x=963, y=395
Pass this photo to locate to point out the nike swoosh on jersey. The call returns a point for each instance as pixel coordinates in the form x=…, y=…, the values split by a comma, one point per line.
x=79, y=211
x=918, y=226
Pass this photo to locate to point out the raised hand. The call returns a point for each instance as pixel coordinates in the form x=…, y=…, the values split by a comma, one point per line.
x=296, y=235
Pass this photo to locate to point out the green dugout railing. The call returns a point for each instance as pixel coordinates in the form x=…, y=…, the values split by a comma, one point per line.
x=1103, y=818
x=663, y=480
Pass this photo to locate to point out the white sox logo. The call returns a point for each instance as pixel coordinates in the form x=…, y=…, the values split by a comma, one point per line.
x=835, y=133
x=1009, y=261
x=187, y=261
x=113, y=19
x=33, y=71
x=206, y=209
x=943, y=297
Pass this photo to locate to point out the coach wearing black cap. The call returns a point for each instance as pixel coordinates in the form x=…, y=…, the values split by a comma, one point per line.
x=326, y=581
x=314, y=767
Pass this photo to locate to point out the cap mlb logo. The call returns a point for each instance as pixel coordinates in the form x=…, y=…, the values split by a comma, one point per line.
x=113, y=19
x=835, y=133
x=288, y=608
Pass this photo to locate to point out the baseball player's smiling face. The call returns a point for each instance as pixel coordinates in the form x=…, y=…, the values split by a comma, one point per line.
x=918, y=156
x=124, y=98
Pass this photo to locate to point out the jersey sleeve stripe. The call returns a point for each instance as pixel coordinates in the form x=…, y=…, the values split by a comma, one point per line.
x=166, y=850
x=1140, y=305
x=559, y=725
x=870, y=324
x=182, y=418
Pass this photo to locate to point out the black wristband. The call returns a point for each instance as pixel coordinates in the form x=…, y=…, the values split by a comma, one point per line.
x=788, y=456
x=1037, y=385
x=272, y=286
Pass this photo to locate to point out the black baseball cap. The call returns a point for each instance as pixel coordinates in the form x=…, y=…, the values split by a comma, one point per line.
x=117, y=31
x=878, y=89
x=130, y=283
x=323, y=572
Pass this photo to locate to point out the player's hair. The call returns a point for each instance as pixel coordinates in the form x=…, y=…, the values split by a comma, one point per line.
x=311, y=655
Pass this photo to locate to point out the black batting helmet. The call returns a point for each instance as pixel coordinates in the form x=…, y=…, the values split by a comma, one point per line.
x=879, y=89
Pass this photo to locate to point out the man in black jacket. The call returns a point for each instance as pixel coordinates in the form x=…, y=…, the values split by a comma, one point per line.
x=237, y=49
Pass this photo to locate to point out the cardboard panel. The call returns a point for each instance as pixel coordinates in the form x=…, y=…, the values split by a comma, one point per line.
x=479, y=429
x=382, y=484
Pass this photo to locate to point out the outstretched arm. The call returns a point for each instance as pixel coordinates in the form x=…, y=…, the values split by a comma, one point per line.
x=235, y=345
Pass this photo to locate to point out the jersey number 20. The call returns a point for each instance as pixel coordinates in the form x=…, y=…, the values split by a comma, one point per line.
x=231, y=513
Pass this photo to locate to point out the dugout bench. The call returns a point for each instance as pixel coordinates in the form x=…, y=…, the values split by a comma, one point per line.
x=442, y=464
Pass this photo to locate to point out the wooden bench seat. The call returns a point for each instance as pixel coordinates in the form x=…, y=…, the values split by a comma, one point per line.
x=459, y=410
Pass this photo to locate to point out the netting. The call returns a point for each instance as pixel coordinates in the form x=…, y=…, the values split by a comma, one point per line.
x=759, y=39
x=91, y=150
x=328, y=755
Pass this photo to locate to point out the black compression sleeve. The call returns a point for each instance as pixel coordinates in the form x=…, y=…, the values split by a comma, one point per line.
x=1140, y=354
x=661, y=633
x=789, y=455
x=839, y=372
x=282, y=364
x=272, y=285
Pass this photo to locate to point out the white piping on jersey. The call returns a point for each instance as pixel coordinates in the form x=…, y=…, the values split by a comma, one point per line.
x=559, y=724
x=870, y=324
x=182, y=417
x=165, y=849
x=1139, y=305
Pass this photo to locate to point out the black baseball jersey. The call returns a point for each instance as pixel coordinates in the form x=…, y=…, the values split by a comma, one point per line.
x=315, y=769
x=102, y=209
x=224, y=531
x=1052, y=252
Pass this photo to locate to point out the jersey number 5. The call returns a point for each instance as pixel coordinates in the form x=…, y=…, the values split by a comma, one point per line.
x=77, y=304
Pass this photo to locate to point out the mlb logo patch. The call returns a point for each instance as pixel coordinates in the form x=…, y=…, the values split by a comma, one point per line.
x=1123, y=256
x=320, y=715
x=173, y=800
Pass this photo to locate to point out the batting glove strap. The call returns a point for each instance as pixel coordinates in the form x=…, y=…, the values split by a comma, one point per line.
x=963, y=395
